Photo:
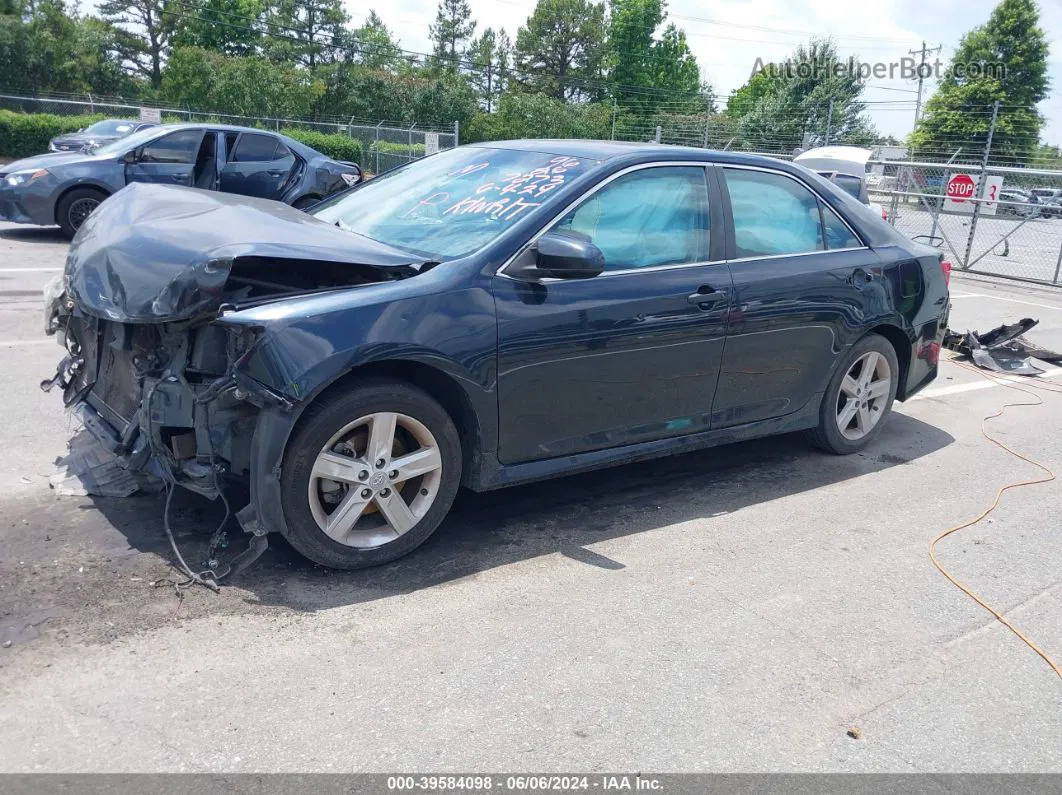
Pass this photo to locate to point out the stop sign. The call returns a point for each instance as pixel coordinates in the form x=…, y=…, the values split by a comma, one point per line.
x=961, y=187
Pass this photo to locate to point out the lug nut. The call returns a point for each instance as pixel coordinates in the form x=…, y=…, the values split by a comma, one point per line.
x=393, y=474
x=424, y=492
x=363, y=475
x=366, y=493
x=385, y=493
x=380, y=463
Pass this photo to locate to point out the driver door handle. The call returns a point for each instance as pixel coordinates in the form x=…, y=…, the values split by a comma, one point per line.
x=706, y=295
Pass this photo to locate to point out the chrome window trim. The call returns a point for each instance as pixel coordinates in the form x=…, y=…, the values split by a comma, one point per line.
x=584, y=197
x=814, y=193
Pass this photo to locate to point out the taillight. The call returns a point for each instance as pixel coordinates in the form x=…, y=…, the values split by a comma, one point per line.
x=945, y=268
x=884, y=215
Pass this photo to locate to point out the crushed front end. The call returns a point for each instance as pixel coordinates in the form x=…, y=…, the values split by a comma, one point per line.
x=149, y=308
x=162, y=398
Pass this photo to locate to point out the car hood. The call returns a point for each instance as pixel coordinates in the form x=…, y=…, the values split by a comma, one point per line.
x=154, y=253
x=50, y=160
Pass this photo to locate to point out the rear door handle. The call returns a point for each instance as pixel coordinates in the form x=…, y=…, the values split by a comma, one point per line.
x=706, y=296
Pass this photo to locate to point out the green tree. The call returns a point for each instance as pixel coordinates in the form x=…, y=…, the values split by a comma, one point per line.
x=453, y=27
x=524, y=115
x=52, y=49
x=145, y=29
x=374, y=46
x=308, y=32
x=488, y=59
x=800, y=98
x=652, y=72
x=247, y=86
x=561, y=51
x=759, y=86
x=232, y=27
x=1004, y=60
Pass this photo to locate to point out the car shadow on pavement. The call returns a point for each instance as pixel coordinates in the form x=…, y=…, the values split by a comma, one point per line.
x=563, y=515
x=33, y=234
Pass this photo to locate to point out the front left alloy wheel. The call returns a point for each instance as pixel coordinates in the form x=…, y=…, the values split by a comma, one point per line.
x=369, y=474
x=75, y=207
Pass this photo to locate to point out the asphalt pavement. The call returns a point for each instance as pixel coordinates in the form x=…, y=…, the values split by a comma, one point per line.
x=740, y=609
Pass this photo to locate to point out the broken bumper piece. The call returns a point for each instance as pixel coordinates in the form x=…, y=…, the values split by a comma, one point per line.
x=1003, y=349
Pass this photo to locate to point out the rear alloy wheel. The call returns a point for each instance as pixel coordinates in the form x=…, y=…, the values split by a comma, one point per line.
x=75, y=207
x=859, y=397
x=363, y=491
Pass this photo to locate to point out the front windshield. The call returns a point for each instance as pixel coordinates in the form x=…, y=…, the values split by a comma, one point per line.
x=110, y=127
x=132, y=141
x=452, y=203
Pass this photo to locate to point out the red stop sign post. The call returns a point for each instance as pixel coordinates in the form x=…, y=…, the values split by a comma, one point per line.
x=961, y=187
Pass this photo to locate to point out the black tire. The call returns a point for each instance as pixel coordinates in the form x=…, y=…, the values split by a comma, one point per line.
x=69, y=212
x=305, y=202
x=827, y=435
x=317, y=426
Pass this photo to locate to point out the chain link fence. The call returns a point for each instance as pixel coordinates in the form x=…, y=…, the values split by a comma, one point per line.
x=385, y=144
x=990, y=220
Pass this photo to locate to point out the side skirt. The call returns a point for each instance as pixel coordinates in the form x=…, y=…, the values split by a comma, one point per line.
x=515, y=474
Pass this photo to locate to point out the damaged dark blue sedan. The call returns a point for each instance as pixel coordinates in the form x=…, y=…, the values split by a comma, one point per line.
x=487, y=316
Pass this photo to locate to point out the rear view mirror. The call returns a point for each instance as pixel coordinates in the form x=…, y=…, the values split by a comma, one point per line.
x=561, y=255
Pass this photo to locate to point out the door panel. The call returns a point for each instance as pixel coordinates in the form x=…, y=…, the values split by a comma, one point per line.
x=258, y=165
x=627, y=356
x=803, y=287
x=790, y=320
x=169, y=160
x=612, y=360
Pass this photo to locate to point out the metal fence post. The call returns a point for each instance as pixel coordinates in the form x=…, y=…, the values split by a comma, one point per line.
x=457, y=132
x=613, y=118
x=829, y=123
x=411, y=141
x=980, y=186
x=707, y=119
x=377, y=148
x=1058, y=265
x=659, y=133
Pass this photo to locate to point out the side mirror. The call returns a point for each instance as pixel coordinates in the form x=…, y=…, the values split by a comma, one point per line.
x=560, y=255
x=129, y=157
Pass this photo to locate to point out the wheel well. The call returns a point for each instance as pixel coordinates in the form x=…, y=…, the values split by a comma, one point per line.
x=442, y=387
x=103, y=192
x=901, y=343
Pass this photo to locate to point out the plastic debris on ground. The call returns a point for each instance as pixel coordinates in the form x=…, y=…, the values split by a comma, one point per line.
x=90, y=470
x=1003, y=349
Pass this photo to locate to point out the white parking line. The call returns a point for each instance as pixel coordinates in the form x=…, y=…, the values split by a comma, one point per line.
x=973, y=386
x=30, y=270
x=1002, y=298
x=17, y=343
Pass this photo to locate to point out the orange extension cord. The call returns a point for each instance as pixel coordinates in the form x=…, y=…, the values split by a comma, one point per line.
x=1047, y=477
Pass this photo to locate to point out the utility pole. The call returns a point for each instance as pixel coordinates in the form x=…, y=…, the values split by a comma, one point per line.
x=923, y=53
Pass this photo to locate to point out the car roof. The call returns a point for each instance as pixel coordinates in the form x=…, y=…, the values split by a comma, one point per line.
x=609, y=150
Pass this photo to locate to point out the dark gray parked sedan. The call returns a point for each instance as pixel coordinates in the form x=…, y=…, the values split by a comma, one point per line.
x=98, y=134
x=63, y=189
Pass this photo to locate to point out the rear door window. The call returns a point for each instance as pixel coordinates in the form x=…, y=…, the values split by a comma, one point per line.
x=773, y=214
x=256, y=148
x=838, y=235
